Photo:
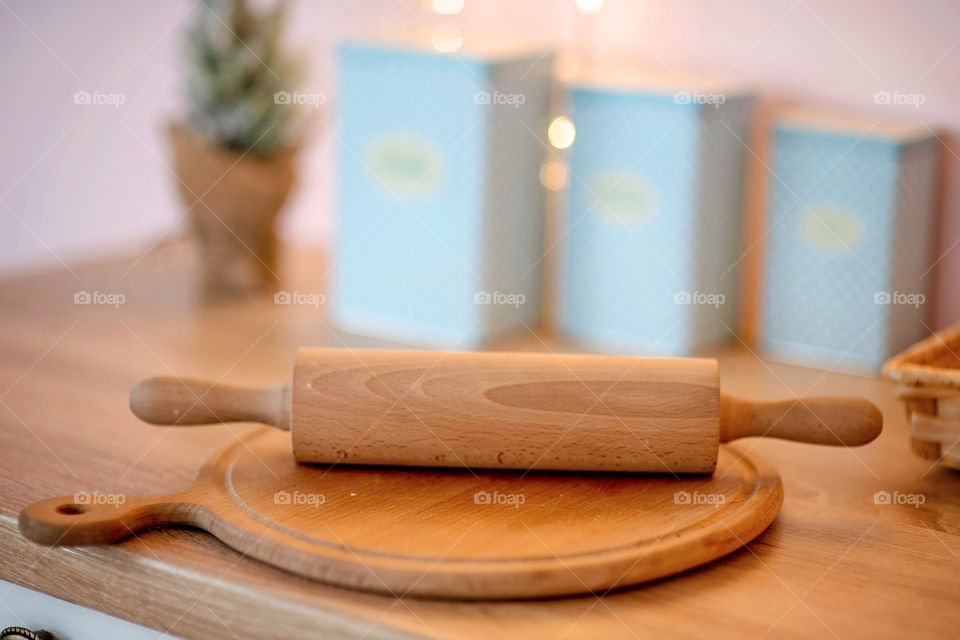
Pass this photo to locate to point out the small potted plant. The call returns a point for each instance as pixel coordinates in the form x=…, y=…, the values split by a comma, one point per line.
x=234, y=155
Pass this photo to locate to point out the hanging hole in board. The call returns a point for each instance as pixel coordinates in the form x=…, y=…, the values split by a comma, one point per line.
x=72, y=509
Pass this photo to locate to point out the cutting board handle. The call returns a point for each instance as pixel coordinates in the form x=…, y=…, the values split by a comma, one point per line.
x=101, y=518
x=174, y=401
x=841, y=421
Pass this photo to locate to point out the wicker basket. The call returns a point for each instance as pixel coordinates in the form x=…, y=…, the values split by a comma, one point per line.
x=928, y=379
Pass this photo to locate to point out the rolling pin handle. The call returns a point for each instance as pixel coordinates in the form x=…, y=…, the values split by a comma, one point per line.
x=173, y=401
x=844, y=421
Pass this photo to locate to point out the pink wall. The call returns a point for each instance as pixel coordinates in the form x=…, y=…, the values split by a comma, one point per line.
x=82, y=181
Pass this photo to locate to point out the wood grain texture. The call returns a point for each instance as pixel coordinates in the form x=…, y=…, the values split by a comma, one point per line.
x=529, y=411
x=833, y=564
x=525, y=411
x=442, y=534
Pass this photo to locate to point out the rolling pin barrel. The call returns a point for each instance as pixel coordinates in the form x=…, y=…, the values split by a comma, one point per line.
x=507, y=411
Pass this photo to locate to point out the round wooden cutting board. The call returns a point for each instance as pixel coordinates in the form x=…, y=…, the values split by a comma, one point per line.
x=444, y=533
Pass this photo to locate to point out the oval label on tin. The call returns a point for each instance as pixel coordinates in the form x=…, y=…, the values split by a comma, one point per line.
x=407, y=165
x=831, y=228
x=624, y=196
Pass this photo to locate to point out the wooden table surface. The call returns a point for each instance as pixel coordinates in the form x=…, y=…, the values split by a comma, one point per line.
x=834, y=563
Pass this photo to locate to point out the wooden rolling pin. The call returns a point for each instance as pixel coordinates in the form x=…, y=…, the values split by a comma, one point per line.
x=507, y=411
